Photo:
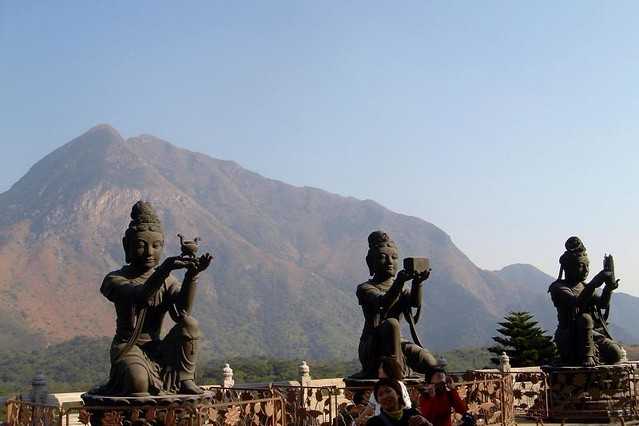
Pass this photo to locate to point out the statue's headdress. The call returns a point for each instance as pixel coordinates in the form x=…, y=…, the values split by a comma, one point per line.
x=143, y=218
x=378, y=240
x=575, y=254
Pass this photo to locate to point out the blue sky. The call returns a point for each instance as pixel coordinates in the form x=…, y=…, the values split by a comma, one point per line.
x=510, y=125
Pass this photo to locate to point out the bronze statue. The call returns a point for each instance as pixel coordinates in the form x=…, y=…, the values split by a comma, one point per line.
x=384, y=301
x=582, y=336
x=143, y=292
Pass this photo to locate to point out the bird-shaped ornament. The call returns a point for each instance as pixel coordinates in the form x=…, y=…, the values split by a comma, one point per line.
x=189, y=247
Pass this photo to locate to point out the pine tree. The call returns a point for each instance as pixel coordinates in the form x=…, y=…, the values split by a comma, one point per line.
x=523, y=340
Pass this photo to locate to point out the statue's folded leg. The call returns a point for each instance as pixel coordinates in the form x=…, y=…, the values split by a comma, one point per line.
x=132, y=373
x=136, y=382
x=585, y=342
x=389, y=340
x=418, y=359
x=565, y=342
x=609, y=351
x=389, y=335
x=180, y=348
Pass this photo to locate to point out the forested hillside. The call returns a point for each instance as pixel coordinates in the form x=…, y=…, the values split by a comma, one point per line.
x=83, y=362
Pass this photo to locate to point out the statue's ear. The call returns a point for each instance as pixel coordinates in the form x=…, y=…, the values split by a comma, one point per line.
x=125, y=246
x=369, y=263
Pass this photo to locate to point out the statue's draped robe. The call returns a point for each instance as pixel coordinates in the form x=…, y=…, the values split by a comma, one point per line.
x=372, y=345
x=157, y=356
x=581, y=330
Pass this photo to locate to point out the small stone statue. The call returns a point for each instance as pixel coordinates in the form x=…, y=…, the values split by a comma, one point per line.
x=143, y=292
x=189, y=248
x=384, y=302
x=582, y=336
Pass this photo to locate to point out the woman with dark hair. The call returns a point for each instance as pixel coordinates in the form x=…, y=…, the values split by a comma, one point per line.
x=389, y=368
x=439, y=400
x=387, y=393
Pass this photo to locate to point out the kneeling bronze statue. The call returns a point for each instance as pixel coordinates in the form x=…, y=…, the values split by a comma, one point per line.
x=384, y=302
x=143, y=292
x=582, y=335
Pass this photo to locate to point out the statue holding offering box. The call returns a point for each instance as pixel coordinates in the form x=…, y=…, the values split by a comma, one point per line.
x=384, y=302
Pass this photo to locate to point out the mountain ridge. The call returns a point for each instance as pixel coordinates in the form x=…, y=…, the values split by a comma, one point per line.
x=288, y=258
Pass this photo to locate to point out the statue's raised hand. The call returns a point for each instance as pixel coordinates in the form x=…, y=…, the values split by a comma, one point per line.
x=404, y=275
x=179, y=262
x=614, y=285
x=420, y=278
x=204, y=261
x=199, y=264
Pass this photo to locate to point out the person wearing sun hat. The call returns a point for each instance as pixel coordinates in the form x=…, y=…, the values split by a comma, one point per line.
x=393, y=412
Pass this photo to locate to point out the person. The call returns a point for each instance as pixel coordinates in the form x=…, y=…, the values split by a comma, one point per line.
x=143, y=292
x=582, y=337
x=389, y=368
x=440, y=400
x=384, y=302
x=393, y=413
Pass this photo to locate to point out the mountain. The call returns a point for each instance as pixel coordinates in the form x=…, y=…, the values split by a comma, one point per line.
x=287, y=259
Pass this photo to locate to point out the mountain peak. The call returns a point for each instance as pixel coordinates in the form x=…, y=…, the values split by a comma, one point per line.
x=63, y=174
x=515, y=267
x=102, y=134
x=104, y=128
x=526, y=276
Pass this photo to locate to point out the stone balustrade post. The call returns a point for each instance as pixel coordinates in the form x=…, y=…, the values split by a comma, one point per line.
x=227, y=373
x=304, y=373
x=504, y=363
x=507, y=389
x=39, y=393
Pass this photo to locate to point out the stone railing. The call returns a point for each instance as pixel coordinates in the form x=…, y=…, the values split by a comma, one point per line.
x=302, y=402
x=529, y=391
x=494, y=396
x=226, y=407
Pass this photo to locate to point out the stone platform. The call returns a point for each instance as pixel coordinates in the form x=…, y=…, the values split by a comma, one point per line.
x=592, y=394
x=153, y=409
x=356, y=383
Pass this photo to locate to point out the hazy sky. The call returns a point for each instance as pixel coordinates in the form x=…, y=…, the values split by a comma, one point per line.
x=510, y=125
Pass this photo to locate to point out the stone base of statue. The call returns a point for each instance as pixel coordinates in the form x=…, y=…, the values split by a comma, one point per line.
x=358, y=383
x=158, y=410
x=592, y=394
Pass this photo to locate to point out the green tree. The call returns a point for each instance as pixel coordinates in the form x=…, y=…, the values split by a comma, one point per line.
x=525, y=343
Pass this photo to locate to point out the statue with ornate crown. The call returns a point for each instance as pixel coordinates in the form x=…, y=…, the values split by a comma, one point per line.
x=591, y=381
x=143, y=291
x=384, y=302
x=582, y=336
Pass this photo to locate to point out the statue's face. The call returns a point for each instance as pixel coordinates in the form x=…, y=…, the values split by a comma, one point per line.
x=145, y=249
x=385, y=262
x=577, y=273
